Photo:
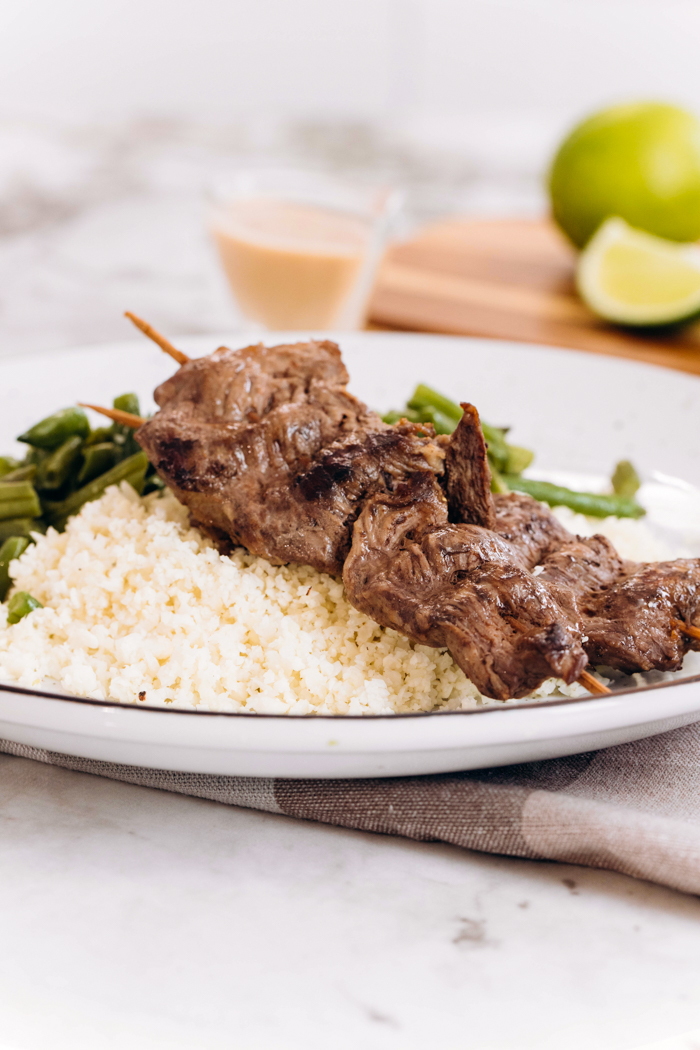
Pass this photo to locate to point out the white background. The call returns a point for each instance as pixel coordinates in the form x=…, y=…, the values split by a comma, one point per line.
x=440, y=65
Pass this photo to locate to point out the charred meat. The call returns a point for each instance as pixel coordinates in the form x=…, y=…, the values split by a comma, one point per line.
x=268, y=450
x=468, y=481
x=460, y=586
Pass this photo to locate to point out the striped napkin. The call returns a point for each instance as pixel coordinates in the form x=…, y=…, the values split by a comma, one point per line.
x=633, y=808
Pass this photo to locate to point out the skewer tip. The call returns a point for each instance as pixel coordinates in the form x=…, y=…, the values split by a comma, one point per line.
x=592, y=684
x=692, y=632
x=127, y=419
x=149, y=331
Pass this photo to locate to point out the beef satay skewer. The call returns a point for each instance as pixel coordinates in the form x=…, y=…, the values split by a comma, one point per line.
x=585, y=678
x=149, y=330
x=127, y=419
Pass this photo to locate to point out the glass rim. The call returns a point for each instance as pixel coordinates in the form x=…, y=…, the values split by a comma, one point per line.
x=297, y=184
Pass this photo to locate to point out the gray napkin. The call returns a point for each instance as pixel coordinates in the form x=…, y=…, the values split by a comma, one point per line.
x=633, y=808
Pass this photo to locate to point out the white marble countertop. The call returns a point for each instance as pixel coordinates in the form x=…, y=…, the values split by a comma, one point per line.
x=134, y=918
x=131, y=918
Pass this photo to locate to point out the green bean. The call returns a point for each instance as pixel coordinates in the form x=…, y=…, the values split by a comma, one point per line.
x=11, y=549
x=132, y=470
x=20, y=527
x=35, y=456
x=126, y=445
x=7, y=465
x=20, y=605
x=497, y=446
x=395, y=416
x=53, y=431
x=625, y=479
x=592, y=503
x=26, y=472
x=497, y=482
x=20, y=508
x=123, y=436
x=97, y=459
x=56, y=468
x=98, y=436
x=423, y=397
x=519, y=459
x=127, y=403
x=430, y=414
x=11, y=490
x=18, y=499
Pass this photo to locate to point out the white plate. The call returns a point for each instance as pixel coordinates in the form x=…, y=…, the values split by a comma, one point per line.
x=581, y=413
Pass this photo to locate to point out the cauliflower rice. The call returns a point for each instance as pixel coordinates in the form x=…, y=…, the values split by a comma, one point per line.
x=139, y=607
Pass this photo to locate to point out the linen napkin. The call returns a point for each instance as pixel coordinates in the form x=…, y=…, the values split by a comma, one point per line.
x=634, y=808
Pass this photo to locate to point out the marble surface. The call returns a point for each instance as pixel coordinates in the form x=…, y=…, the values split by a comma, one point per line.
x=131, y=918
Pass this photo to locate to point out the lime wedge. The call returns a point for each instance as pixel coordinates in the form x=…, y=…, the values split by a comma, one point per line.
x=634, y=278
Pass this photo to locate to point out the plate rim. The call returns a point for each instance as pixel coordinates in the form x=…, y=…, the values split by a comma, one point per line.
x=590, y=700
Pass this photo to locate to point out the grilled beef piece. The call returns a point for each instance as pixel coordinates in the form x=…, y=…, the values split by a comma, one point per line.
x=331, y=494
x=632, y=625
x=468, y=482
x=460, y=586
x=579, y=566
x=626, y=611
x=267, y=449
x=528, y=525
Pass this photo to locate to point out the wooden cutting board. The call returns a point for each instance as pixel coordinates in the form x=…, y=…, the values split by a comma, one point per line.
x=508, y=279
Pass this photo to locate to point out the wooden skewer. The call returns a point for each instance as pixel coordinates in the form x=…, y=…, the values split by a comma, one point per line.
x=128, y=419
x=149, y=330
x=693, y=632
x=593, y=685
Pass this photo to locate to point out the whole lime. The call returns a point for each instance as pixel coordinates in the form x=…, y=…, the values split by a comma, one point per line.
x=638, y=161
